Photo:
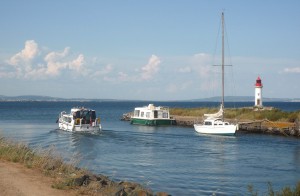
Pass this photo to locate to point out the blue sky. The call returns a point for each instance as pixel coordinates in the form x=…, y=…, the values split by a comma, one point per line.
x=148, y=50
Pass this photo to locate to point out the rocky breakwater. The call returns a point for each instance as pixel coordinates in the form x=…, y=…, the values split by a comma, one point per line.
x=102, y=185
x=266, y=120
x=270, y=127
x=186, y=121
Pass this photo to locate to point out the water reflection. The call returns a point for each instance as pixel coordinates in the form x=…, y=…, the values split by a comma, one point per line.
x=297, y=157
x=145, y=129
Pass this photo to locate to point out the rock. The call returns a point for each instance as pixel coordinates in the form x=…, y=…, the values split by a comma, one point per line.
x=134, y=189
x=83, y=180
x=127, y=116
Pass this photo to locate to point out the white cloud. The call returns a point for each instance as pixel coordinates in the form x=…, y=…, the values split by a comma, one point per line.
x=175, y=88
x=106, y=70
x=26, y=63
x=151, y=68
x=77, y=64
x=53, y=62
x=26, y=55
x=185, y=69
x=55, y=56
x=123, y=76
x=292, y=70
x=146, y=72
x=202, y=64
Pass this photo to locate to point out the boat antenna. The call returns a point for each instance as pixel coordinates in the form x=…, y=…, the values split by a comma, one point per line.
x=223, y=63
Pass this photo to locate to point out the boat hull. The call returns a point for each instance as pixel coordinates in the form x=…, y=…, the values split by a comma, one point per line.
x=152, y=122
x=216, y=130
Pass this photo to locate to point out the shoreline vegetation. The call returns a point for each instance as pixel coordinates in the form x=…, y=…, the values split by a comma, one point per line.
x=266, y=120
x=66, y=176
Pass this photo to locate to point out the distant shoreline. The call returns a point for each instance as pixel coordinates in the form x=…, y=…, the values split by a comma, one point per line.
x=210, y=99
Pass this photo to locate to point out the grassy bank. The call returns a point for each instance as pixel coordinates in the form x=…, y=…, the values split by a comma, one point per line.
x=240, y=113
x=286, y=191
x=67, y=176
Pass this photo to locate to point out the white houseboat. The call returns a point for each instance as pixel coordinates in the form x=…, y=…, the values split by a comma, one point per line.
x=80, y=119
x=151, y=115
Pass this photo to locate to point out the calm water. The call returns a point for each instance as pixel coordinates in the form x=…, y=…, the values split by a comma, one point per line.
x=172, y=159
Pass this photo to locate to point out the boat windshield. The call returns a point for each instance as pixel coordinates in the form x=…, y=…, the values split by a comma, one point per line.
x=87, y=116
x=207, y=123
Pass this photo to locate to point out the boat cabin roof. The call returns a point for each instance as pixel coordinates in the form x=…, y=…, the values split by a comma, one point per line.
x=75, y=109
x=152, y=107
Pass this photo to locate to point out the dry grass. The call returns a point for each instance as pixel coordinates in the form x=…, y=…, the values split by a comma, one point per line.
x=43, y=160
x=280, y=125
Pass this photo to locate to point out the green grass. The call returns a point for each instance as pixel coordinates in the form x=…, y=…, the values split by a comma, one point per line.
x=240, y=113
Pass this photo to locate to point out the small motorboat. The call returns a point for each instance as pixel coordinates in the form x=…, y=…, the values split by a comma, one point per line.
x=80, y=119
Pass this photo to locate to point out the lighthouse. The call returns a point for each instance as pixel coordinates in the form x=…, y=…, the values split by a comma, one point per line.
x=258, y=93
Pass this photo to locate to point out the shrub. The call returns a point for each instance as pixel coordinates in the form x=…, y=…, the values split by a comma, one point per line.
x=285, y=191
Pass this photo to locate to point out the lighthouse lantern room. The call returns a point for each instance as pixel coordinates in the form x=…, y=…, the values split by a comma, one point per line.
x=258, y=93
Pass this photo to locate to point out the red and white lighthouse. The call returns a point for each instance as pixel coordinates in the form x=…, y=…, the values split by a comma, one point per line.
x=258, y=92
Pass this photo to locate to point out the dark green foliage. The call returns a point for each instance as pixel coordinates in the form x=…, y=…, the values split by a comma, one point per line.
x=293, y=117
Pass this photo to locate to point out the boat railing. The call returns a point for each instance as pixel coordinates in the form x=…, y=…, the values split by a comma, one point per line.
x=163, y=108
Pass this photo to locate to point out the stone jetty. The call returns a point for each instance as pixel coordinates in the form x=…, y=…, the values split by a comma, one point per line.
x=270, y=127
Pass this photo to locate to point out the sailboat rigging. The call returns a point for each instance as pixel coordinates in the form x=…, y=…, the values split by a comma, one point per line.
x=214, y=123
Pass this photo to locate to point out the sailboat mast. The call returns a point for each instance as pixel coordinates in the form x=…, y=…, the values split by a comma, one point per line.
x=223, y=63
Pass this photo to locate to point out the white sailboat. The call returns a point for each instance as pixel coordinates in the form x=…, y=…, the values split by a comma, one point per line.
x=214, y=123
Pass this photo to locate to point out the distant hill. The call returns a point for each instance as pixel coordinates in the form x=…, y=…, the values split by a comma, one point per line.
x=44, y=98
x=28, y=98
x=245, y=99
x=210, y=99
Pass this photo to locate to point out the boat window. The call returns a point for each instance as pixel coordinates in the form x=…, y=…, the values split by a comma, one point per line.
x=207, y=123
x=67, y=119
x=155, y=114
x=88, y=117
x=226, y=123
x=136, y=113
x=148, y=114
x=165, y=115
x=77, y=114
x=142, y=114
x=93, y=115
